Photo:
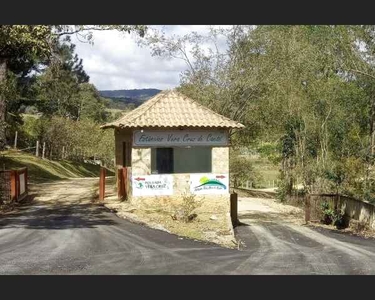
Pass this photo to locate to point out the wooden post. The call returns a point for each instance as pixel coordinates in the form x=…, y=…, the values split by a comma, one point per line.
x=15, y=140
x=37, y=149
x=63, y=152
x=234, y=209
x=18, y=184
x=102, y=184
x=120, y=184
x=26, y=181
x=44, y=150
x=13, y=185
x=125, y=181
x=307, y=209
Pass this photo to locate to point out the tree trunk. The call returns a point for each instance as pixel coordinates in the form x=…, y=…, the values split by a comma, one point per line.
x=372, y=131
x=372, y=141
x=3, y=71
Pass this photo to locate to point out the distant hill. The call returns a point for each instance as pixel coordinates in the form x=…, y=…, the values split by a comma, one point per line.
x=142, y=94
x=121, y=99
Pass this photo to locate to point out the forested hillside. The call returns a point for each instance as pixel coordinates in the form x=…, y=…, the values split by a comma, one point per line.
x=139, y=94
x=127, y=99
x=46, y=96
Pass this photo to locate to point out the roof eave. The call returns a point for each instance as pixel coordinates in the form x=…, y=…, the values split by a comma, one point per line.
x=122, y=126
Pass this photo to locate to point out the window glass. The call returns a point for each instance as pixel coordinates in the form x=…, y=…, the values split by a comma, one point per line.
x=181, y=160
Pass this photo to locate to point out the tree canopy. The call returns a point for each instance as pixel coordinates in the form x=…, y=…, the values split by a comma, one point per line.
x=306, y=90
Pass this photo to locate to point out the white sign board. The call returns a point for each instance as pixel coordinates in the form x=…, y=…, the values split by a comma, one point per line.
x=149, y=138
x=209, y=184
x=152, y=185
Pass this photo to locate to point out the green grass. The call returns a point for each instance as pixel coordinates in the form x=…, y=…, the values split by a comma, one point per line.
x=44, y=170
x=269, y=171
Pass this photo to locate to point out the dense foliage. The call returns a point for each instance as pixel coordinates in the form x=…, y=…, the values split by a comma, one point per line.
x=45, y=94
x=305, y=91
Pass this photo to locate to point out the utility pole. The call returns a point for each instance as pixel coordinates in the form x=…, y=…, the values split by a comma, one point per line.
x=37, y=149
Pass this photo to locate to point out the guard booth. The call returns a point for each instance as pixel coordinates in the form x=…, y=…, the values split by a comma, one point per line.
x=172, y=145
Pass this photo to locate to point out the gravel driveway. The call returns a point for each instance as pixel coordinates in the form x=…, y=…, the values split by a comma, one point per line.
x=61, y=232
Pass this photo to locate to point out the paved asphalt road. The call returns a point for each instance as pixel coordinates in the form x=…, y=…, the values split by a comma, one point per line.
x=65, y=235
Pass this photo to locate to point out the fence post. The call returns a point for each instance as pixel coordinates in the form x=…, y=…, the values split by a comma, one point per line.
x=15, y=140
x=37, y=149
x=44, y=149
x=102, y=184
x=234, y=208
x=307, y=208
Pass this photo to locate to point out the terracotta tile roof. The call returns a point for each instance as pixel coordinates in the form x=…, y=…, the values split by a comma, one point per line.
x=172, y=109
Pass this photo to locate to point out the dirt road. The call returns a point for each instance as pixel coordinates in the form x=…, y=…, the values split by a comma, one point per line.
x=61, y=232
x=280, y=244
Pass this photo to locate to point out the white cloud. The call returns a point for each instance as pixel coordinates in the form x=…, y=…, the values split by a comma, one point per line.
x=115, y=61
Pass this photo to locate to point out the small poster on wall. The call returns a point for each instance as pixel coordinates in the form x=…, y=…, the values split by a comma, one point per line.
x=152, y=185
x=209, y=183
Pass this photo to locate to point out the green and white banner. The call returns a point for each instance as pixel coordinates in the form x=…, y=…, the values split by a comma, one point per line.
x=209, y=184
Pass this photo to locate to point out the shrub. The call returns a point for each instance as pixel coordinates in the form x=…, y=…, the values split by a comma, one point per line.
x=242, y=169
x=328, y=213
x=332, y=216
x=185, y=211
x=338, y=219
x=282, y=191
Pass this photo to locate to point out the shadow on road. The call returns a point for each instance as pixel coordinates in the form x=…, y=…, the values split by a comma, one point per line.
x=59, y=216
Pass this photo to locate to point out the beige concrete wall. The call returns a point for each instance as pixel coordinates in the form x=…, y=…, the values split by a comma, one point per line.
x=121, y=135
x=215, y=204
x=141, y=165
x=141, y=161
x=220, y=160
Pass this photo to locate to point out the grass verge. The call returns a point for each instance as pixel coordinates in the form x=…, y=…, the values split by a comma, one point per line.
x=44, y=170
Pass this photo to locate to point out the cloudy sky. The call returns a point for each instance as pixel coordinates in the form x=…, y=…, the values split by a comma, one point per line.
x=115, y=61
